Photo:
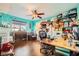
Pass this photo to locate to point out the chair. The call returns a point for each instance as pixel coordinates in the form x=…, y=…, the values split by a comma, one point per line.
x=7, y=49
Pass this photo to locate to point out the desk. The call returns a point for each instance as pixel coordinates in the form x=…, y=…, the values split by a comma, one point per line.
x=61, y=43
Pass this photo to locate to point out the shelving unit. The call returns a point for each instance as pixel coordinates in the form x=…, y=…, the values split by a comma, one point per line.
x=5, y=34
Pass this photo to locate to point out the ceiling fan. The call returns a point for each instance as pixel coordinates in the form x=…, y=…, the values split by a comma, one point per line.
x=36, y=14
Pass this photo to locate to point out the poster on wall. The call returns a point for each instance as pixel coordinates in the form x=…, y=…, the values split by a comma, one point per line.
x=72, y=13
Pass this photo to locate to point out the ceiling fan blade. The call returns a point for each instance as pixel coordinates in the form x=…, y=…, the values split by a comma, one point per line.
x=40, y=13
x=39, y=17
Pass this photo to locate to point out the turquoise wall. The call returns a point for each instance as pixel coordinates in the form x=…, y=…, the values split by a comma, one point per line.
x=9, y=18
x=6, y=18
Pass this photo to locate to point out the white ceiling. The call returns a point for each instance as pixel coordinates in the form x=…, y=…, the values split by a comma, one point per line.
x=23, y=9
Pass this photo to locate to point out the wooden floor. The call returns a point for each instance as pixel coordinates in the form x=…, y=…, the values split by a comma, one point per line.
x=27, y=48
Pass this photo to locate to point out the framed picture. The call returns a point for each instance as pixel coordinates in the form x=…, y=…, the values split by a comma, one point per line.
x=72, y=13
